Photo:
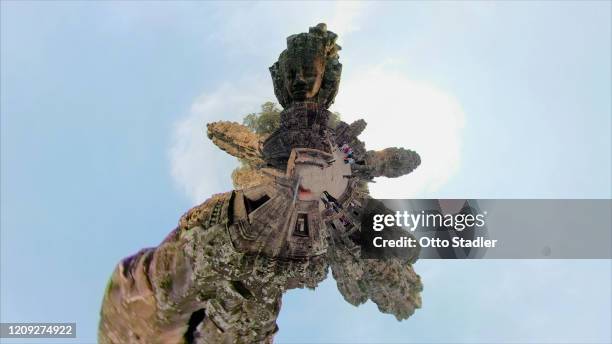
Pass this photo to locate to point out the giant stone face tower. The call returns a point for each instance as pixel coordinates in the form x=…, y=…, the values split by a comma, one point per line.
x=219, y=276
x=306, y=79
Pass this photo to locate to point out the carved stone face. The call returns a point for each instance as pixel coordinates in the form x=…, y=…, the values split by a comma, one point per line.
x=303, y=76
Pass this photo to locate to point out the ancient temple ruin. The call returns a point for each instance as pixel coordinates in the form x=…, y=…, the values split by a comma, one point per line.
x=219, y=276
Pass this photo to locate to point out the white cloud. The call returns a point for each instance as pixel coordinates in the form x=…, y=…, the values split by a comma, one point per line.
x=400, y=112
x=198, y=167
x=346, y=17
x=405, y=113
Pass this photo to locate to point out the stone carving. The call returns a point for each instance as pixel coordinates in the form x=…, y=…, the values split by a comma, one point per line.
x=219, y=276
x=237, y=140
x=308, y=70
x=391, y=162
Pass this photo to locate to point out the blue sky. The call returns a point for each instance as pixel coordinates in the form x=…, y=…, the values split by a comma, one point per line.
x=103, y=106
